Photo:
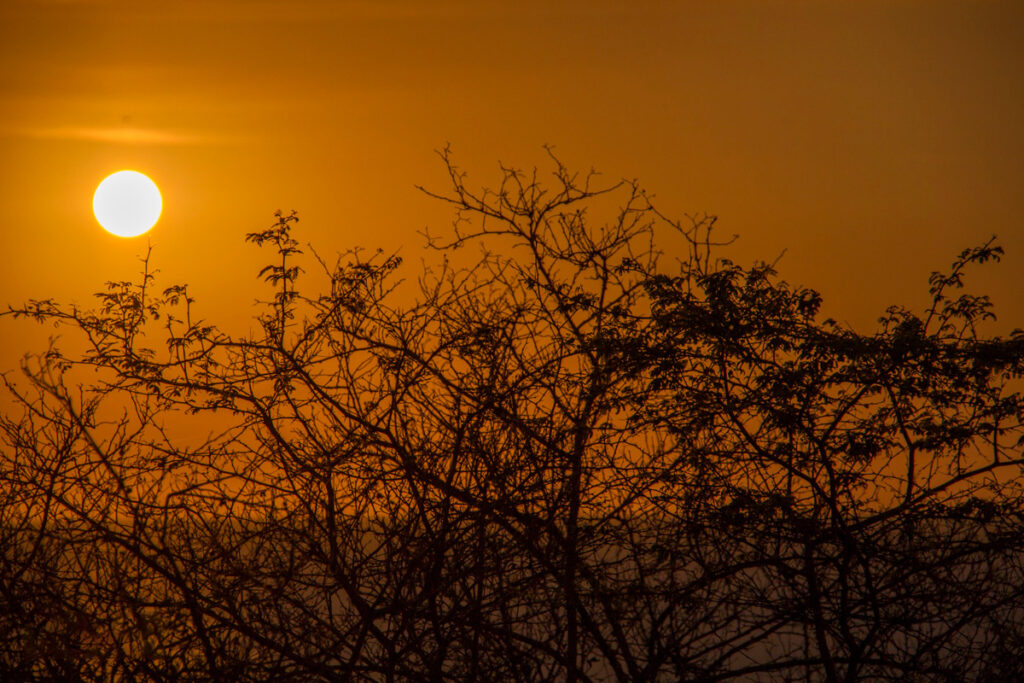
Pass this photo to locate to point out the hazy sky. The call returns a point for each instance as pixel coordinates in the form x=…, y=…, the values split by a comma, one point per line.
x=871, y=140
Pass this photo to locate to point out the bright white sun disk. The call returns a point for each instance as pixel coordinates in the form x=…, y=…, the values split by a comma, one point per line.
x=127, y=203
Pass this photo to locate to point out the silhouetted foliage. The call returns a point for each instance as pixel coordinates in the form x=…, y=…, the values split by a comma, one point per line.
x=577, y=459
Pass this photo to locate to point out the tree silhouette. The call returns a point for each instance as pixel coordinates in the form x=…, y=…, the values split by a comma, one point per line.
x=574, y=459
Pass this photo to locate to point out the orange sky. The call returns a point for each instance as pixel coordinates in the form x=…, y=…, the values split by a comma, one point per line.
x=872, y=140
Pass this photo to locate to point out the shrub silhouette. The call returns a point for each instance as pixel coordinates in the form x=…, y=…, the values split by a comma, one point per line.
x=574, y=460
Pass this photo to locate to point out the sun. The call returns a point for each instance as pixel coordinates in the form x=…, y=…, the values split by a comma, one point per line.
x=127, y=203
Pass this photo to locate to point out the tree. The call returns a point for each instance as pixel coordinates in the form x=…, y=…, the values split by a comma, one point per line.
x=569, y=461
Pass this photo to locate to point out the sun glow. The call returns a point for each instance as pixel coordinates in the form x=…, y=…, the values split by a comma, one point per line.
x=127, y=203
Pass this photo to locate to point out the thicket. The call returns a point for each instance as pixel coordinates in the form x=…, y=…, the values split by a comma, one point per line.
x=578, y=458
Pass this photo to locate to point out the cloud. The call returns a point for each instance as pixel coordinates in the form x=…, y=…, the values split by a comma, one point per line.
x=121, y=135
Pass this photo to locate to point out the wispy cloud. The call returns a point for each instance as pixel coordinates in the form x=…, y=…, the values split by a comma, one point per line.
x=122, y=135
